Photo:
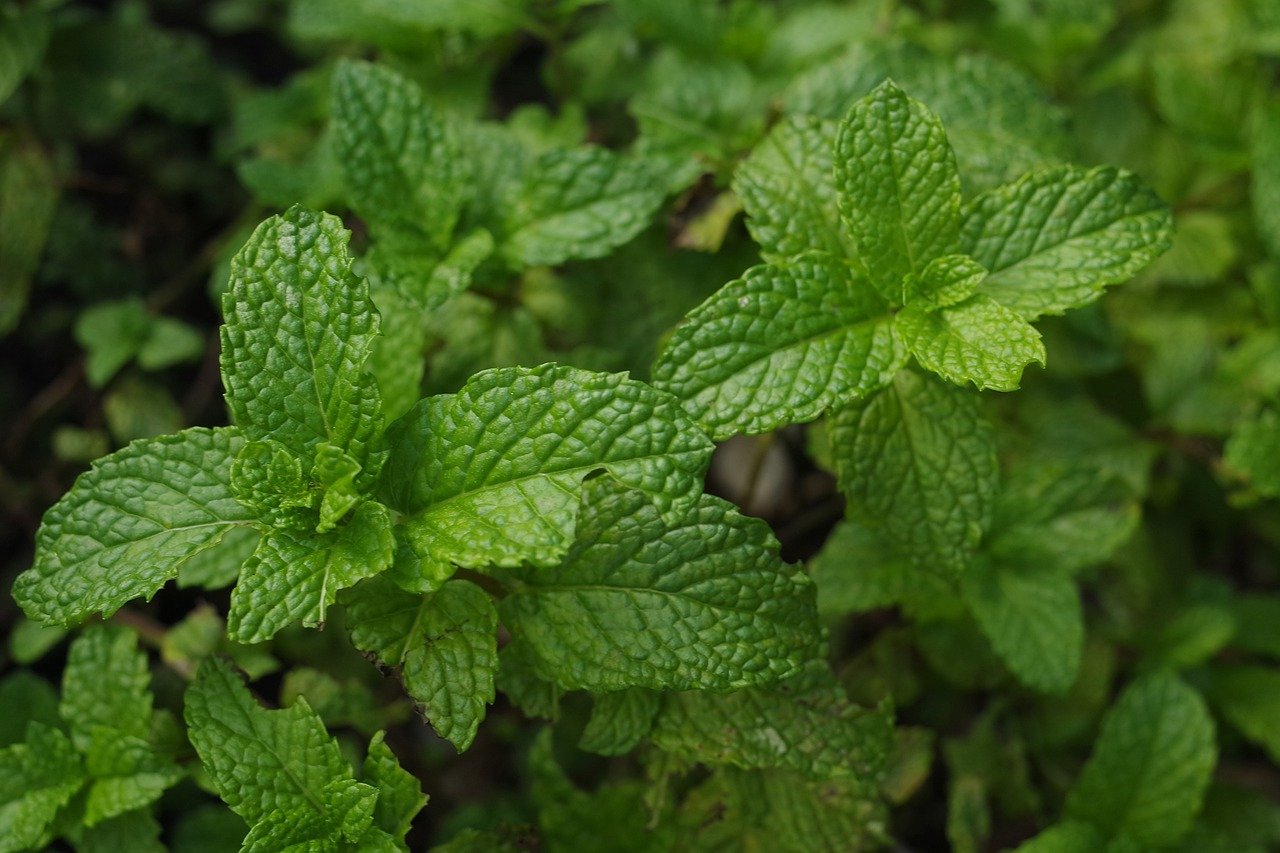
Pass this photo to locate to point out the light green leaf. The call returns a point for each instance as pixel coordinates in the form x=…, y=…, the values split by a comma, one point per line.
x=28, y=195
x=805, y=724
x=294, y=575
x=29, y=641
x=336, y=473
x=127, y=774
x=578, y=203
x=106, y=683
x=37, y=777
x=533, y=695
x=136, y=831
x=1266, y=173
x=978, y=341
x=111, y=334
x=620, y=720
x=267, y=479
x=260, y=761
x=1253, y=452
x=1033, y=618
x=342, y=813
x=933, y=442
x=899, y=191
x=444, y=644
x=696, y=601
x=168, y=342
x=405, y=175
x=780, y=345
x=129, y=523
x=27, y=698
x=1248, y=697
x=944, y=282
x=1150, y=765
x=1054, y=239
x=789, y=194
x=490, y=475
x=1071, y=836
x=400, y=796
x=298, y=330
x=219, y=567
x=397, y=360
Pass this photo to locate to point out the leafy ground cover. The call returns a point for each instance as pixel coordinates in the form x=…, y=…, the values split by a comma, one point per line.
x=568, y=425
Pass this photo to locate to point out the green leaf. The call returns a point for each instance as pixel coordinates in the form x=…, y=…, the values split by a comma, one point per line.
x=533, y=695
x=1266, y=173
x=443, y=643
x=336, y=473
x=789, y=194
x=26, y=698
x=490, y=475
x=299, y=326
x=1253, y=451
x=805, y=724
x=1248, y=697
x=28, y=196
x=933, y=442
x=577, y=203
x=106, y=683
x=127, y=774
x=396, y=360
x=1054, y=239
x=1150, y=765
x=780, y=345
x=111, y=333
x=1033, y=618
x=24, y=32
x=294, y=575
x=978, y=341
x=129, y=523
x=136, y=831
x=944, y=282
x=219, y=567
x=620, y=720
x=267, y=479
x=697, y=601
x=405, y=175
x=899, y=191
x=37, y=778
x=400, y=797
x=29, y=641
x=342, y=811
x=261, y=762
x=1071, y=836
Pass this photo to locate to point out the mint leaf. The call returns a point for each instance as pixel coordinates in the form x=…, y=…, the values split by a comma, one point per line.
x=136, y=831
x=28, y=196
x=782, y=344
x=1253, y=452
x=700, y=600
x=37, y=778
x=490, y=475
x=1071, y=836
x=1032, y=616
x=1265, y=149
x=106, y=683
x=24, y=32
x=336, y=474
x=267, y=479
x=1054, y=239
x=977, y=340
x=805, y=724
x=294, y=575
x=933, y=442
x=898, y=188
x=262, y=762
x=620, y=720
x=517, y=678
x=1248, y=697
x=298, y=330
x=944, y=282
x=404, y=173
x=443, y=643
x=129, y=523
x=577, y=203
x=396, y=359
x=789, y=194
x=341, y=812
x=1150, y=765
x=400, y=797
x=127, y=773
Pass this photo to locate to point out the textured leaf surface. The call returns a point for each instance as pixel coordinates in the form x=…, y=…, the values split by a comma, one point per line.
x=917, y=462
x=343, y=810
x=780, y=345
x=805, y=724
x=106, y=683
x=944, y=282
x=400, y=796
x=28, y=195
x=978, y=341
x=129, y=523
x=788, y=192
x=127, y=774
x=298, y=331
x=404, y=173
x=578, y=203
x=294, y=575
x=620, y=720
x=698, y=601
x=444, y=644
x=491, y=475
x=1054, y=239
x=899, y=191
x=1033, y=618
x=37, y=777
x=260, y=761
x=1150, y=765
